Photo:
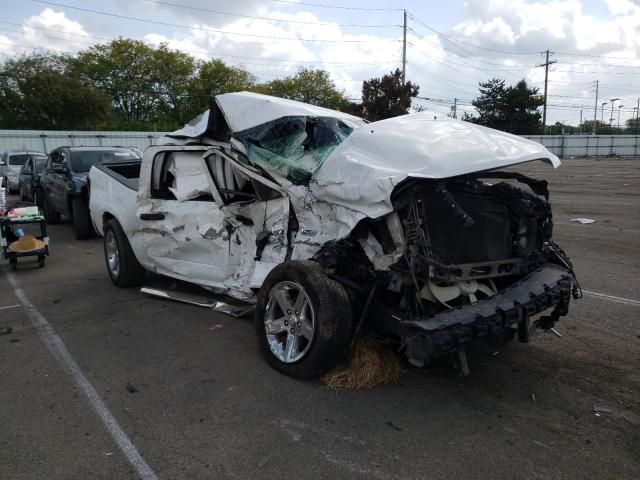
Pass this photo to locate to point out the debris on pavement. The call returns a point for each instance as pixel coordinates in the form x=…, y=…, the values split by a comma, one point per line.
x=583, y=221
x=556, y=332
x=5, y=330
x=131, y=388
x=601, y=408
x=216, y=327
x=370, y=365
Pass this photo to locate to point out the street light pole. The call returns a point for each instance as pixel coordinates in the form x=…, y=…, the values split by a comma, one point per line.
x=613, y=101
x=602, y=112
x=619, y=107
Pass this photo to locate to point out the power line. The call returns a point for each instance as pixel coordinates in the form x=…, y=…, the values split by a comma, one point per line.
x=454, y=41
x=573, y=54
x=340, y=7
x=271, y=19
x=209, y=52
x=213, y=30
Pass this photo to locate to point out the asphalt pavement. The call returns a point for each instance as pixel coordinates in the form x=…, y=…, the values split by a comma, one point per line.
x=148, y=388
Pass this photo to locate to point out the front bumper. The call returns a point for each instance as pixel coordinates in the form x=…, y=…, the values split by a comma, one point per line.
x=546, y=287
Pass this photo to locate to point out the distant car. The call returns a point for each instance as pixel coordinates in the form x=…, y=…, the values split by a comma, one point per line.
x=29, y=178
x=64, y=182
x=10, y=165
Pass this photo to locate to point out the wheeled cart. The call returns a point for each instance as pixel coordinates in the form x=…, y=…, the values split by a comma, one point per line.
x=8, y=235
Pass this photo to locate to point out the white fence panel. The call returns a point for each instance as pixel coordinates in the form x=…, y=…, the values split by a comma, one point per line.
x=590, y=145
x=47, y=140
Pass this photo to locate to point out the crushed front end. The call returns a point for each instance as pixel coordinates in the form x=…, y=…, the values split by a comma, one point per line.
x=478, y=262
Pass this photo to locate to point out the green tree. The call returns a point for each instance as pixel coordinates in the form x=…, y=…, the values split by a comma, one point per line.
x=511, y=109
x=633, y=126
x=214, y=77
x=309, y=86
x=491, y=104
x=387, y=97
x=149, y=86
x=37, y=92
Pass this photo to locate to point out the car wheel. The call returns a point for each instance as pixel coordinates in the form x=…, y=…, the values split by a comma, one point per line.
x=122, y=265
x=50, y=214
x=82, y=227
x=303, y=320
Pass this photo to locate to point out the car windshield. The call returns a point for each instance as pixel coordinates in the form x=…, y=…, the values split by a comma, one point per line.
x=82, y=161
x=40, y=163
x=18, y=159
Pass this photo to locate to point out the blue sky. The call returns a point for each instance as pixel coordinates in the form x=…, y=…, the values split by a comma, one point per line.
x=453, y=45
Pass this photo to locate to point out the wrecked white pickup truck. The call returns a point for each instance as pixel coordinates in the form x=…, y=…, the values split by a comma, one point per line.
x=408, y=227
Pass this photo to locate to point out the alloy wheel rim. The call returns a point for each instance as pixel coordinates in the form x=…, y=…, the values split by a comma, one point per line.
x=113, y=257
x=289, y=321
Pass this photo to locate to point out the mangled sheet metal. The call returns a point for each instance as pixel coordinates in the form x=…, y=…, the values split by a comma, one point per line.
x=363, y=170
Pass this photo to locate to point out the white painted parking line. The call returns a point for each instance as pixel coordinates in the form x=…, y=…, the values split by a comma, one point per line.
x=9, y=306
x=612, y=298
x=61, y=354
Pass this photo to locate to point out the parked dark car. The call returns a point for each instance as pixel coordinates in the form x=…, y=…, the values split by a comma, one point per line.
x=65, y=188
x=10, y=165
x=29, y=178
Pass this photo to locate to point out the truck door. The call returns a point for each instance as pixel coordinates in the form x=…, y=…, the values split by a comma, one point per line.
x=256, y=216
x=181, y=227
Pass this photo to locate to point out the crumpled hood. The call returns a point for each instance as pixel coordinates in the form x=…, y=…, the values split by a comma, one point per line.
x=244, y=110
x=363, y=170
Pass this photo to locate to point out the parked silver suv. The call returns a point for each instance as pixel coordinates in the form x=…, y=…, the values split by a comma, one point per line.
x=10, y=165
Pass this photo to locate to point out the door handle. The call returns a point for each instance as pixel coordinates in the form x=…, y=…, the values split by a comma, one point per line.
x=152, y=216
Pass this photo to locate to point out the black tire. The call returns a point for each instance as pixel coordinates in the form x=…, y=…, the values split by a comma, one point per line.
x=14, y=264
x=82, y=227
x=51, y=216
x=332, y=326
x=129, y=273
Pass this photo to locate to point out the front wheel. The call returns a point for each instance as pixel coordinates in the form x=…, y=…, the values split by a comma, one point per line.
x=303, y=320
x=122, y=265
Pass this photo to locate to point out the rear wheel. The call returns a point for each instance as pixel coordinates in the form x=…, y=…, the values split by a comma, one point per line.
x=303, y=320
x=122, y=265
x=82, y=227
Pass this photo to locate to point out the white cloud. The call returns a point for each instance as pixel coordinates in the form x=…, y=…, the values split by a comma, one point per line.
x=51, y=29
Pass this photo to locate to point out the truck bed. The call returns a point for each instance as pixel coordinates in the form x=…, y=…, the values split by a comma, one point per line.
x=127, y=173
x=112, y=193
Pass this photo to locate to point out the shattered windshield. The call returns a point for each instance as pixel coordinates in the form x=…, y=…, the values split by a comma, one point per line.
x=294, y=147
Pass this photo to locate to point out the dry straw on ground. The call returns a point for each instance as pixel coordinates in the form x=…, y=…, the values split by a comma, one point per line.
x=369, y=365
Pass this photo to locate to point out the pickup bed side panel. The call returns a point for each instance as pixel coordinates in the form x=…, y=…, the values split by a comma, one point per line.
x=110, y=196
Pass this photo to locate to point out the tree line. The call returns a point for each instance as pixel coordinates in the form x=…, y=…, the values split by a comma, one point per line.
x=128, y=85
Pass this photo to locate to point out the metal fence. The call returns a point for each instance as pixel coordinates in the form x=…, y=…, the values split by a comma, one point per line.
x=46, y=140
x=590, y=145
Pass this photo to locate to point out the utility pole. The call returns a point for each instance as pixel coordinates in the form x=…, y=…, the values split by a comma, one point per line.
x=595, y=109
x=580, y=121
x=546, y=77
x=404, y=47
x=637, y=115
x=602, y=112
x=455, y=107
